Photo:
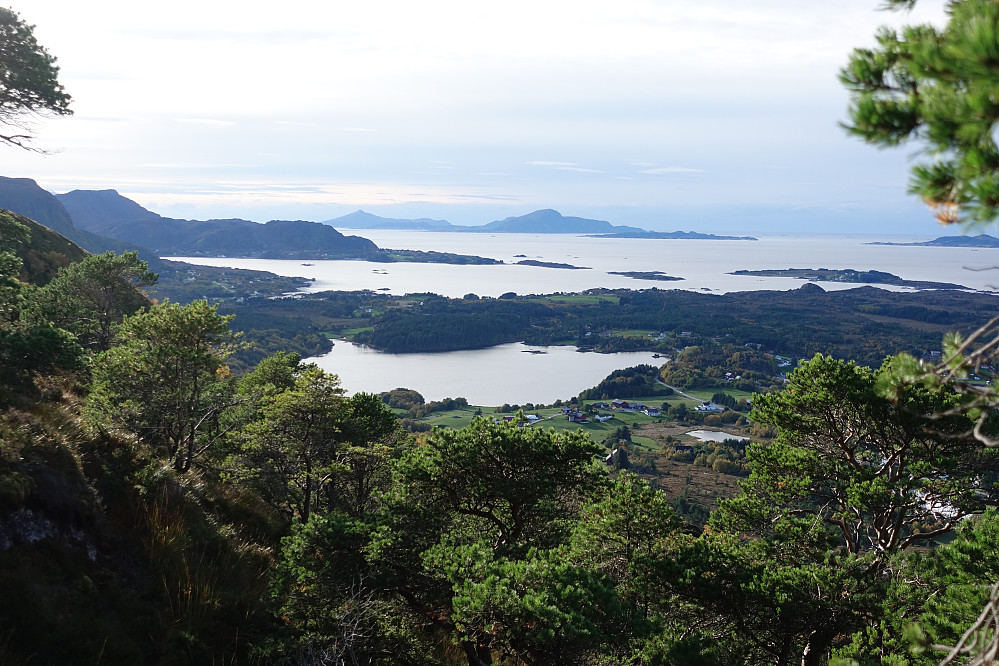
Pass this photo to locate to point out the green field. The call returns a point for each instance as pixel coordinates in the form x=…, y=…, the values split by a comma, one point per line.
x=350, y=332
x=554, y=418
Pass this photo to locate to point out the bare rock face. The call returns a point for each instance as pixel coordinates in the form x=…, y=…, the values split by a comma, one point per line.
x=23, y=527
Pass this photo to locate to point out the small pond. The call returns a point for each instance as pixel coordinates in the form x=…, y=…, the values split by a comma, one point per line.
x=715, y=436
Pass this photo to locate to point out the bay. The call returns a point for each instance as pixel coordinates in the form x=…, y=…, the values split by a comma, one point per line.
x=704, y=265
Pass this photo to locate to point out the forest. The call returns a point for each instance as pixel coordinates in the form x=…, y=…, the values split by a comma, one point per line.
x=158, y=507
x=166, y=498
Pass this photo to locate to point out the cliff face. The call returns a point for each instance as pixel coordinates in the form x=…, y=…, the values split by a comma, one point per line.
x=24, y=196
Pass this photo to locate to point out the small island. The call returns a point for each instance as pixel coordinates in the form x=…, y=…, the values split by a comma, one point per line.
x=647, y=275
x=551, y=264
x=981, y=240
x=849, y=275
x=671, y=235
x=432, y=257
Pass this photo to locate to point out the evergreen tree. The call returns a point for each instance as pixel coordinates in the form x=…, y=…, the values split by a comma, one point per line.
x=29, y=82
x=938, y=87
x=166, y=379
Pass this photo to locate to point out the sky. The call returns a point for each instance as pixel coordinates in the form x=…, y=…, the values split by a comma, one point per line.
x=715, y=115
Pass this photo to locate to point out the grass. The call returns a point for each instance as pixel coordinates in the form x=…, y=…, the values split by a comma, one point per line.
x=350, y=332
x=707, y=393
x=635, y=333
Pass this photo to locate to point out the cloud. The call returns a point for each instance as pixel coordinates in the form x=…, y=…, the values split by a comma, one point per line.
x=296, y=123
x=195, y=165
x=254, y=37
x=205, y=121
x=579, y=169
x=564, y=166
x=664, y=170
x=552, y=164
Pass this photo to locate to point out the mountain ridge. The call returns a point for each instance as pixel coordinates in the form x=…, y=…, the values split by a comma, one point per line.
x=109, y=213
x=542, y=221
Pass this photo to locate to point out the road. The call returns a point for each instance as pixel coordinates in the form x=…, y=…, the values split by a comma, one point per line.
x=675, y=389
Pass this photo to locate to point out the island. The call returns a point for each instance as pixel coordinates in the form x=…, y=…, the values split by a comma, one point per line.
x=849, y=275
x=671, y=235
x=981, y=240
x=647, y=275
x=551, y=264
x=432, y=257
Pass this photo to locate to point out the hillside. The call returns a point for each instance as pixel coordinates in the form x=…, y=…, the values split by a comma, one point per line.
x=45, y=252
x=25, y=197
x=108, y=213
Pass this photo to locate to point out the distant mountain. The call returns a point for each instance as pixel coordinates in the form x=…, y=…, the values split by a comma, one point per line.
x=108, y=213
x=545, y=221
x=688, y=235
x=49, y=250
x=94, y=209
x=361, y=220
x=982, y=240
x=549, y=221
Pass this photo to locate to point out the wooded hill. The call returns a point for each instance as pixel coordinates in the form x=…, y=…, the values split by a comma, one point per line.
x=865, y=324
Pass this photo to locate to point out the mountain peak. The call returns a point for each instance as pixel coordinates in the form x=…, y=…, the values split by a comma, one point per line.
x=99, y=210
x=550, y=221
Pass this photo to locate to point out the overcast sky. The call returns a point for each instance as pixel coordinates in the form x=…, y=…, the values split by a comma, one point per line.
x=714, y=115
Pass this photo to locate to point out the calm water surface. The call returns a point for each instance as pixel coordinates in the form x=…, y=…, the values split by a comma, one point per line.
x=714, y=436
x=503, y=374
x=704, y=265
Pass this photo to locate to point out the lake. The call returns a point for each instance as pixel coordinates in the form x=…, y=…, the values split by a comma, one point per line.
x=511, y=373
x=703, y=264
x=506, y=373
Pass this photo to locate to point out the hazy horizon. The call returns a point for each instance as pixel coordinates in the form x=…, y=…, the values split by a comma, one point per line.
x=716, y=116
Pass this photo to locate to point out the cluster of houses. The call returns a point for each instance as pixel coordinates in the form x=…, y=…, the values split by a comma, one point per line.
x=626, y=406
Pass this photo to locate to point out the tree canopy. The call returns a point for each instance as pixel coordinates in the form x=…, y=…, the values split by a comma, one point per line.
x=165, y=378
x=939, y=87
x=29, y=84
